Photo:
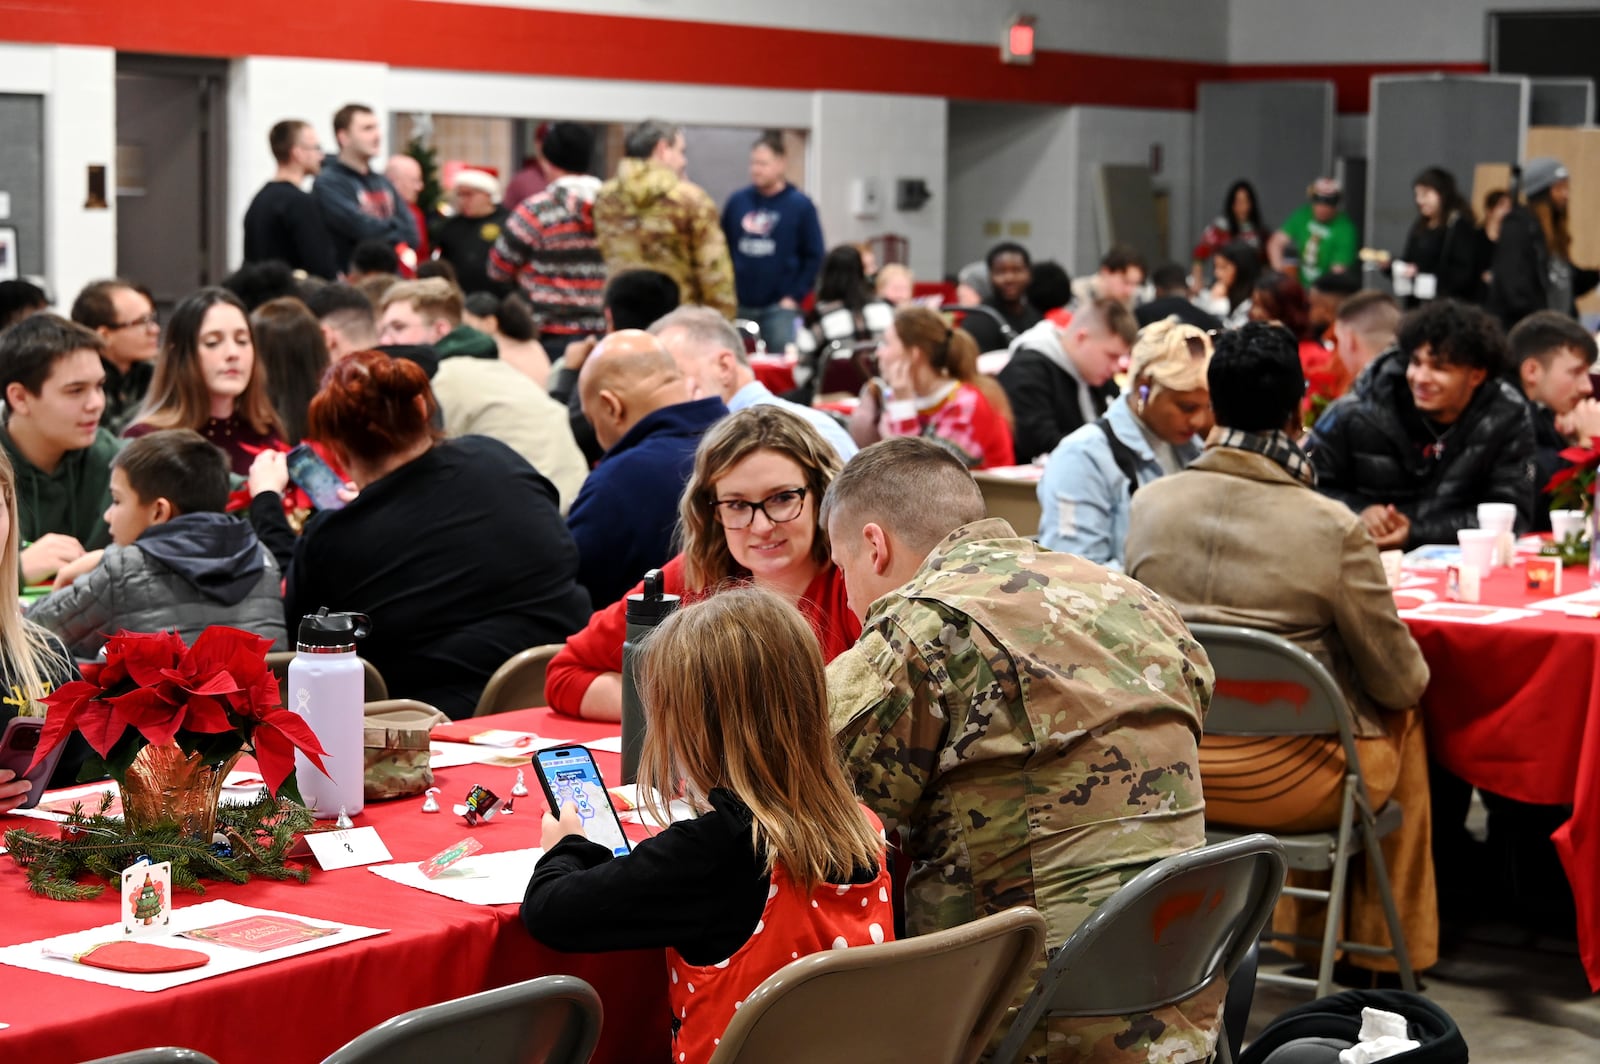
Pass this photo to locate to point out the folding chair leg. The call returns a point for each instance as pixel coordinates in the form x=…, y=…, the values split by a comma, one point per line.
x=1336, y=889
x=1391, y=913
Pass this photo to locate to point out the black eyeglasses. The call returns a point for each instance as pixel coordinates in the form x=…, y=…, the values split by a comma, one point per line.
x=149, y=321
x=779, y=507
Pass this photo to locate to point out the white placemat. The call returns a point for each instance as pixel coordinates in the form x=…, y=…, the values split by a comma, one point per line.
x=224, y=959
x=1467, y=613
x=611, y=744
x=482, y=879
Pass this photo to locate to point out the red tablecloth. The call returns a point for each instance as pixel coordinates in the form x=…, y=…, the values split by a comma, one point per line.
x=301, y=1009
x=1514, y=708
x=776, y=373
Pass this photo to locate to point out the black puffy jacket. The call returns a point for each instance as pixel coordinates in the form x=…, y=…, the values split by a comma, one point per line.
x=1368, y=449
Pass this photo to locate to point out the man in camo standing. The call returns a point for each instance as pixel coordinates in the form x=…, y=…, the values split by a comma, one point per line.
x=649, y=217
x=1027, y=719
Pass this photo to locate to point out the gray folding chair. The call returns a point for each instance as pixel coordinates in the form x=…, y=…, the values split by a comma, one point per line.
x=1160, y=939
x=519, y=683
x=157, y=1055
x=1268, y=686
x=554, y=1019
x=935, y=999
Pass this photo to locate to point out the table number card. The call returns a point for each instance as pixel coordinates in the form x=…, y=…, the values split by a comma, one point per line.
x=348, y=848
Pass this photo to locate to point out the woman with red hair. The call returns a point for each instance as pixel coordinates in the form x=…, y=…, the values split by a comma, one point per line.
x=455, y=549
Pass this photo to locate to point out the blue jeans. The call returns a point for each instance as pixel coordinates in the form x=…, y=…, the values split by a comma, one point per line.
x=778, y=325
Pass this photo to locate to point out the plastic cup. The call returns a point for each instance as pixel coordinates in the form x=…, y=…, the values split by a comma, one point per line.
x=1477, y=548
x=1496, y=517
x=1565, y=524
x=1393, y=560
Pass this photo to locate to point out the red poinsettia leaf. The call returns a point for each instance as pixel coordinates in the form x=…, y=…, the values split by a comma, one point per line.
x=142, y=656
x=274, y=748
x=100, y=726
x=219, y=683
x=1581, y=455
x=208, y=715
x=1560, y=477
x=156, y=717
x=64, y=708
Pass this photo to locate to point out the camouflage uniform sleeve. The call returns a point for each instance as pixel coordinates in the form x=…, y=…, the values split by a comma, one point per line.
x=713, y=267
x=890, y=723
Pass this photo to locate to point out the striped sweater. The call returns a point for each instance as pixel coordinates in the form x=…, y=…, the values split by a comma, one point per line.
x=548, y=247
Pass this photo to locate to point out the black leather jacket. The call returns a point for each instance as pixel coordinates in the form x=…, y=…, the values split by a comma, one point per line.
x=1373, y=448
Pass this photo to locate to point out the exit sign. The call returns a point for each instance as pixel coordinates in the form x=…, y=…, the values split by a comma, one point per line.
x=1018, y=45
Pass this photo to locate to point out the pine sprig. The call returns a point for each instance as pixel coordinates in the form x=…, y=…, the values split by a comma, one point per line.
x=94, y=849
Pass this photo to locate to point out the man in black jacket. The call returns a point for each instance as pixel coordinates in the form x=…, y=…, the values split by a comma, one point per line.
x=1550, y=359
x=1429, y=432
x=1059, y=377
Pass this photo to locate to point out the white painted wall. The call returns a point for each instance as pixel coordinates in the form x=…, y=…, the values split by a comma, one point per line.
x=1163, y=29
x=1035, y=169
x=864, y=135
x=265, y=90
x=79, y=89
x=1010, y=179
x=1368, y=31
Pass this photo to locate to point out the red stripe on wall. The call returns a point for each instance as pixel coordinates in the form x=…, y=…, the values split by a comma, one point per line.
x=409, y=33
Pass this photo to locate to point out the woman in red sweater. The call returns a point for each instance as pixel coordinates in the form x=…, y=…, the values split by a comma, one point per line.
x=748, y=513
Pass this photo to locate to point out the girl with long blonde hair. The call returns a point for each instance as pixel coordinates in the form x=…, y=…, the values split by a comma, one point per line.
x=782, y=862
x=32, y=661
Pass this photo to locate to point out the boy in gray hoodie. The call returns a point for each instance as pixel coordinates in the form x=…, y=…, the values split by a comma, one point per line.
x=177, y=562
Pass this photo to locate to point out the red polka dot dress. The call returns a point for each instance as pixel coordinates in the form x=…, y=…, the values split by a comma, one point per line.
x=704, y=998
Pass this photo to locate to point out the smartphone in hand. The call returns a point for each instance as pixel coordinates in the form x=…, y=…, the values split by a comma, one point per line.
x=17, y=747
x=569, y=774
x=316, y=477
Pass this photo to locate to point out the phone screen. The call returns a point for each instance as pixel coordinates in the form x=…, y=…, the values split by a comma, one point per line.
x=307, y=469
x=569, y=774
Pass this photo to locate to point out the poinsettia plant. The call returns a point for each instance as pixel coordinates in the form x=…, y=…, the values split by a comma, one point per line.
x=215, y=699
x=1572, y=487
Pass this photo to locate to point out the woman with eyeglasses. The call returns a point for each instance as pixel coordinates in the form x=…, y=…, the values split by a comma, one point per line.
x=931, y=387
x=1155, y=428
x=748, y=514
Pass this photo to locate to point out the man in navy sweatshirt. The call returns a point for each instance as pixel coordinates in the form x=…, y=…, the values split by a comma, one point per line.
x=776, y=243
x=357, y=202
x=625, y=513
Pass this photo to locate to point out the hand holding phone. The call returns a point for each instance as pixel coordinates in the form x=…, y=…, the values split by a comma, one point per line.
x=570, y=777
x=19, y=788
x=307, y=469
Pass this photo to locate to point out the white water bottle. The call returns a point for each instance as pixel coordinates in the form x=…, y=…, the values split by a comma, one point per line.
x=326, y=687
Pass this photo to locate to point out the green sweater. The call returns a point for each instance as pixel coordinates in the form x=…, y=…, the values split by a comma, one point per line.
x=73, y=499
x=1321, y=246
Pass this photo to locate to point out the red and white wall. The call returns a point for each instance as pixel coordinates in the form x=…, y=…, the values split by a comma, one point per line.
x=870, y=80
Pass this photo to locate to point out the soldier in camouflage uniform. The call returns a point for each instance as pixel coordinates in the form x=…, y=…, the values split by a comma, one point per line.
x=1029, y=720
x=648, y=217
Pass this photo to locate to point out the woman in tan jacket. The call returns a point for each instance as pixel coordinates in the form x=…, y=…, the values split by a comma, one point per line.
x=1241, y=537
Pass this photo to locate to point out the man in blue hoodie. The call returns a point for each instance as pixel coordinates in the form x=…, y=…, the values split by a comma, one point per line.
x=776, y=243
x=177, y=562
x=356, y=201
x=623, y=518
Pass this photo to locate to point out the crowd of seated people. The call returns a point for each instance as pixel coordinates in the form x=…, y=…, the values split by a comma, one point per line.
x=515, y=458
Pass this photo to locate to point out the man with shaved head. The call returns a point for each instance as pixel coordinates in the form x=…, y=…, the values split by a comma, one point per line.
x=1028, y=720
x=639, y=403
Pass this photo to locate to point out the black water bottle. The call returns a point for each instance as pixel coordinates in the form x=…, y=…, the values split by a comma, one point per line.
x=645, y=610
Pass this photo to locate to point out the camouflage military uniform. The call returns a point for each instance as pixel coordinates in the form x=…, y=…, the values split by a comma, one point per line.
x=647, y=218
x=1030, y=721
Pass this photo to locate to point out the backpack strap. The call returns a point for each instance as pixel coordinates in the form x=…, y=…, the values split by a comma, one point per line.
x=1126, y=457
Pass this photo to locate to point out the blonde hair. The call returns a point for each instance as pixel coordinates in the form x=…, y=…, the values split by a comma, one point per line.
x=707, y=561
x=892, y=271
x=1165, y=355
x=737, y=698
x=27, y=653
x=432, y=298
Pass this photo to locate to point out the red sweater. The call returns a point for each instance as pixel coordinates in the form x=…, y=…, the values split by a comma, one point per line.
x=598, y=648
x=964, y=419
